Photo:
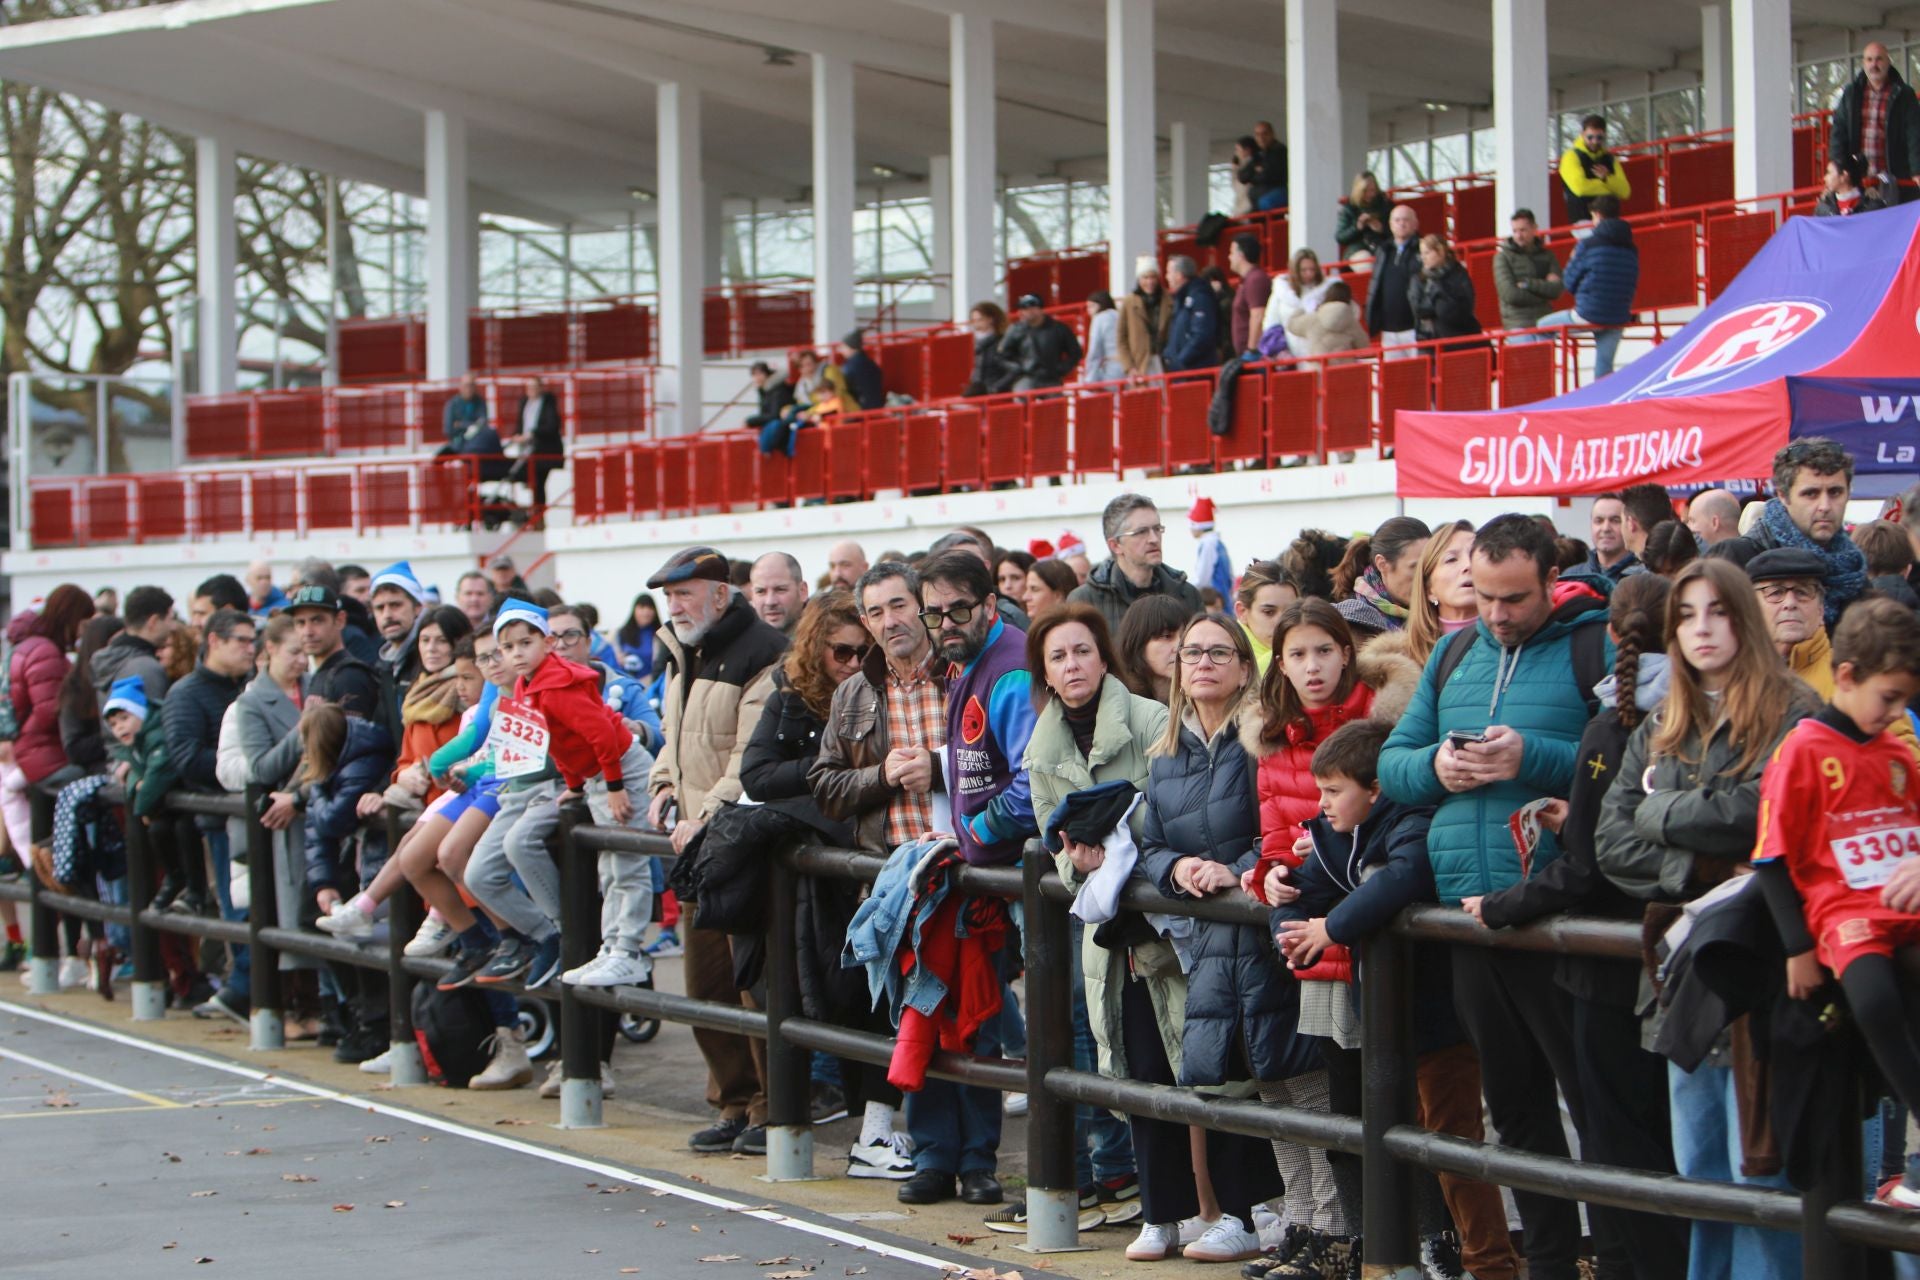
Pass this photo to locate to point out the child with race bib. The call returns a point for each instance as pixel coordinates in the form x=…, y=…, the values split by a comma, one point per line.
x=557, y=717
x=1838, y=815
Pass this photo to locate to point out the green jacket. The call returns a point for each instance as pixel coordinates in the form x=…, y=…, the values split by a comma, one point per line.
x=1520, y=278
x=1124, y=730
x=151, y=774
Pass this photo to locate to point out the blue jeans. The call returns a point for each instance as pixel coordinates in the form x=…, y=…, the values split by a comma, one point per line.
x=240, y=982
x=781, y=436
x=956, y=1128
x=1102, y=1143
x=1706, y=1144
x=1013, y=1023
x=1275, y=199
x=1605, y=343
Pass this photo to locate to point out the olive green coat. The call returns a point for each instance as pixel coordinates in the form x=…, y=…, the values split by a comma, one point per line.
x=1126, y=726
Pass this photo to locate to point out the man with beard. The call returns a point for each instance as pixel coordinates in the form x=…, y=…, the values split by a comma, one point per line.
x=990, y=716
x=718, y=657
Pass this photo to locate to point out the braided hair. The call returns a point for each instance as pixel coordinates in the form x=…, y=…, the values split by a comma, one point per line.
x=1636, y=615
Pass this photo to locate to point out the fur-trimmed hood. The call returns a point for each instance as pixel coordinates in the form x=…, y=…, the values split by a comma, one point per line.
x=1387, y=669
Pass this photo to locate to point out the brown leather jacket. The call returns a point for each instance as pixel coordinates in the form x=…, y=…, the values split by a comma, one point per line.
x=848, y=776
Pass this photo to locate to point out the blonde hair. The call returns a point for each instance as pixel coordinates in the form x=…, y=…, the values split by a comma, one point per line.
x=1440, y=243
x=1177, y=700
x=323, y=736
x=1424, y=628
x=1357, y=194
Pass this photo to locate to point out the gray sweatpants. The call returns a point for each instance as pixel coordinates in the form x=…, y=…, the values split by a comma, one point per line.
x=490, y=874
x=626, y=881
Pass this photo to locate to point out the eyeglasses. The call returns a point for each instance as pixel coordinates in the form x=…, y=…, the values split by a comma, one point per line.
x=1218, y=655
x=1775, y=592
x=959, y=614
x=488, y=658
x=848, y=652
x=1154, y=529
x=572, y=635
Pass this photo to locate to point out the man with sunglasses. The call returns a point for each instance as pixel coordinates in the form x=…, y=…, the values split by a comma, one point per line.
x=1137, y=541
x=1588, y=169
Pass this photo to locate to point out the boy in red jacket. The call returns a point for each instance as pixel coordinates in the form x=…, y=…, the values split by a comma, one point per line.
x=557, y=714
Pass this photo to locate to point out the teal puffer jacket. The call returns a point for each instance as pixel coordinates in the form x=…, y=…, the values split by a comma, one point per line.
x=1470, y=844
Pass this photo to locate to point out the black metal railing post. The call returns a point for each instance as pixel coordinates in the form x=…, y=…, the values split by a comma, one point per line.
x=149, y=971
x=44, y=965
x=266, y=1021
x=789, y=1067
x=403, y=921
x=580, y=1027
x=1053, y=1196
x=1387, y=1067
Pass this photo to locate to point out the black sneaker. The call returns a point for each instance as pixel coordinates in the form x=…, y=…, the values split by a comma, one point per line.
x=720, y=1135
x=466, y=967
x=752, y=1141
x=829, y=1103
x=1122, y=1186
x=511, y=959
x=362, y=1043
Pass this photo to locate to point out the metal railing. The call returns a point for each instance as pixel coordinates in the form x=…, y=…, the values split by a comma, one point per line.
x=1835, y=1223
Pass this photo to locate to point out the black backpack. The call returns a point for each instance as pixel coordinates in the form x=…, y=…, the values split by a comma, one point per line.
x=1589, y=653
x=452, y=1028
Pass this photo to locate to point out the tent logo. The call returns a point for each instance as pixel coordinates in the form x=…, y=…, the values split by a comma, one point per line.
x=1742, y=336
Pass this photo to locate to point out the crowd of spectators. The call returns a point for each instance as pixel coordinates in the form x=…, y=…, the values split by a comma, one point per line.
x=1683, y=724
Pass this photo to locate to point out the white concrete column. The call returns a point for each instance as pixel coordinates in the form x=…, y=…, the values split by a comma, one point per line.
x=940, y=200
x=974, y=178
x=1131, y=181
x=1716, y=67
x=216, y=244
x=1316, y=177
x=833, y=144
x=1356, y=133
x=683, y=256
x=713, y=237
x=1187, y=166
x=1762, y=97
x=451, y=241
x=1522, y=153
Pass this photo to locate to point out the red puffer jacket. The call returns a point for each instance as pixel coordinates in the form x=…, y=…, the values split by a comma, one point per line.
x=35, y=673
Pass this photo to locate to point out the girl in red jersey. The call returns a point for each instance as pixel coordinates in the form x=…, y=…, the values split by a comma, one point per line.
x=1839, y=814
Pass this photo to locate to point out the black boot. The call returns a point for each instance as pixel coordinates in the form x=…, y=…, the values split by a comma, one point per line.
x=170, y=888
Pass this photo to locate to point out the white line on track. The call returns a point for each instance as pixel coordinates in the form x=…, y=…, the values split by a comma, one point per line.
x=706, y=1198
x=10, y=1054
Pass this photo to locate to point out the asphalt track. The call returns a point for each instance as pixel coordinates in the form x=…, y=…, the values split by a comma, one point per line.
x=122, y=1157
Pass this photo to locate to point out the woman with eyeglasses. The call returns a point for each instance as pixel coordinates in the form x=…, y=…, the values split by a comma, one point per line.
x=1200, y=835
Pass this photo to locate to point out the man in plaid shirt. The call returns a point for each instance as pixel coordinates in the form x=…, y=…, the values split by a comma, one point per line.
x=1878, y=119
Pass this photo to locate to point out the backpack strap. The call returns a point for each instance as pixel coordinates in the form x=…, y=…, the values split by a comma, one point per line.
x=1588, y=646
x=1453, y=651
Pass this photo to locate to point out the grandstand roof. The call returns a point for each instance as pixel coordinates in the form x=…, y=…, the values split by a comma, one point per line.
x=557, y=94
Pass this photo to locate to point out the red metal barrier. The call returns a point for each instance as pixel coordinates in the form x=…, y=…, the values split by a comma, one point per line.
x=1731, y=243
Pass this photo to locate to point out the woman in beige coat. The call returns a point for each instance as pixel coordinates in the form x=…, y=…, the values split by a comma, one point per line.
x=1145, y=316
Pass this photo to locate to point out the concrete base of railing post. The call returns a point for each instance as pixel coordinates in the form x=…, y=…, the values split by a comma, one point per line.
x=149, y=1001
x=404, y=1066
x=266, y=1030
x=789, y=1154
x=43, y=976
x=580, y=1105
x=1053, y=1222
x=1374, y=1272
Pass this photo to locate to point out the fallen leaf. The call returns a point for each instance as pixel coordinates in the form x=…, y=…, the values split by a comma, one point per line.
x=694, y=1177
x=721, y=1257
x=774, y=1262
x=589, y=1251
x=203, y=1260
x=512, y=1121
x=961, y=1238
x=395, y=1204
x=657, y=1193
x=378, y=1137
x=789, y=1275
x=612, y=1191
x=171, y=1244
x=59, y=1098
x=856, y=1271
x=171, y=1158
x=660, y=1224
x=343, y=1208
x=202, y=1195
x=693, y=1227
x=259, y=1151
x=298, y=1177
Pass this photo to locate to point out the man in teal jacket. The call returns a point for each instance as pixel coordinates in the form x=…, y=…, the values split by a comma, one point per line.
x=1515, y=685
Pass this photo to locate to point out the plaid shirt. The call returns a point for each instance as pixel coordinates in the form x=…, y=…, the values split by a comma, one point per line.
x=916, y=717
x=1873, y=126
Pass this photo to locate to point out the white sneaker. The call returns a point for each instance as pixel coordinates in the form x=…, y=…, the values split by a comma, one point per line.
x=1227, y=1240
x=1156, y=1242
x=1015, y=1105
x=1191, y=1229
x=610, y=969
x=73, y=972
x=347, y=921
x=435, y=936
x=891, y=1159
x=1269, y=1226
x=550, y=1087
x=379, y=1066
x=509, y=1067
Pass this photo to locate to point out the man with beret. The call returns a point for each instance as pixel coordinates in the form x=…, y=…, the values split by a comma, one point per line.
x=1043, y=350
x=718, y=658
x=1788, y=580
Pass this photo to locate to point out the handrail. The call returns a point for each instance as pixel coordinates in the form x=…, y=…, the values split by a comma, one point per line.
x=1831, y=1217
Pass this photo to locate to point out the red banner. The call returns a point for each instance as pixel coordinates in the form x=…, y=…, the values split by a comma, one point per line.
x=1555, y=453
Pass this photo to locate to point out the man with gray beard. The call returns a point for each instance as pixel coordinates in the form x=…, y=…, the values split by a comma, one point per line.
x=719, y=658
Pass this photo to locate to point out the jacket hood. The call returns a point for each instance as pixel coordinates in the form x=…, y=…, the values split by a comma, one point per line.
x=733, y=621
x=1653, y=674
x=22, y=623
x=557, y=673
x=1389, y=674
x=1583, y=610
x=116, y=651
x=1509, y=245
x=1612, y=231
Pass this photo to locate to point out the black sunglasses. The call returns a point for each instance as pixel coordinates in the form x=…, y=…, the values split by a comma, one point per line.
x=848, y=652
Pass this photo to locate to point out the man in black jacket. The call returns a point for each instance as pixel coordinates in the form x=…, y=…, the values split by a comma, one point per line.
x=337, y=676
x=1878, y=119
x=1135, y=536
x=1390, y=320
x=195, y=708
x=537, y=424
x=1040, y=347
x=775, y=394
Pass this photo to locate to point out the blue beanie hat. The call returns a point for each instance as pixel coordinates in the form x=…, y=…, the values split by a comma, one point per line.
x=128, y=694
x=400, y=574
x=522, y=611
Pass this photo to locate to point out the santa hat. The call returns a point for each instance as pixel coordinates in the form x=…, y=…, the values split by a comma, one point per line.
x=400, y=574
x=1069, y=546
x=522, y=611
x=1200, y=515
x=128, y=694
x=1040, y=549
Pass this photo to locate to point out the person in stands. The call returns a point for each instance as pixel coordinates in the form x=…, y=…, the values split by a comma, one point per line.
x=864, y=380
x=1878, y=119
x=1250, y=296
x=1265, y=169
x=1146, y=317
x=538, y=431
x=1527, y=277
x=465, y=412
x=1588, y=170
x=1602, y=276
x=1193, y=337
x=1039, y=349
x=1131, y=524
x=1441, y=294
x=991, y=372
x=1844, y=195
x=775, y=396
x=1103, y=340
x=1361, y=230
x=1296, y=292
x=1396, y=265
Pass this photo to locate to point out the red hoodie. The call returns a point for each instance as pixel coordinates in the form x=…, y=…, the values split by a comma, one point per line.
x=586, y=737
